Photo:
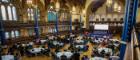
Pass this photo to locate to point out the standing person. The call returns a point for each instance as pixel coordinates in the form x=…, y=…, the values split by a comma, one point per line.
x=10, y=50
x=17, y=56
x=114, y=58
x=85, y=57
x=21, y=50
x=76, y=55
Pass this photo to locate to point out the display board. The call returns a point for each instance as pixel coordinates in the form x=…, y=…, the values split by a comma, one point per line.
x=101, y=27
x=51, y=16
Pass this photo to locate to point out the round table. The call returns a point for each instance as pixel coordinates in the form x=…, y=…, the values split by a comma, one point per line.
x=98, y=58
x=67, y=53
x=107, y=50
x=8, y=57
x=36, y=50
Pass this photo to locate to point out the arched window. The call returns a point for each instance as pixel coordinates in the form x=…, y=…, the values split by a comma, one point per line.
x=7, y=35
x=3, y=12
x=38, y=12
x=32, y=14
x=5, y=0
x=12, y=34
x=17, y=33
x=14, y=13
x=29, y=15
x=9, y=13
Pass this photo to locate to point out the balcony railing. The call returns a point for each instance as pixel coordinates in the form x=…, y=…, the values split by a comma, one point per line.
x=105, y=21
x=18, y=24
x=20, y=39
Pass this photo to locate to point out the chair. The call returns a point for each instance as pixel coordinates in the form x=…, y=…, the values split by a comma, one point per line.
x=54, y=56
x=63, y=57
x=102, y=53
x=46, y=52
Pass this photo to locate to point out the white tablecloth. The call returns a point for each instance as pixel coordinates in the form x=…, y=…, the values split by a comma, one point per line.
x=57, y=43
x=8, y=57
x=107, y=50
x=59, y=54
x=98, y=58
x=116, y=44
x=43, y=41
x=51, y=37
x=31, y=43
x=68, y=54
x=96, y=41
x=81, y=46
x=72, y=35
x=114, y=57
x=36, y=50
x=79, y=41
x=114, y=40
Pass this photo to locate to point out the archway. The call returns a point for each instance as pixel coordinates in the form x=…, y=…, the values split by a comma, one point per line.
x=93, y=6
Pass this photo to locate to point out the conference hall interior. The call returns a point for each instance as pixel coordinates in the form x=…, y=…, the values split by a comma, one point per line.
x=69, y=29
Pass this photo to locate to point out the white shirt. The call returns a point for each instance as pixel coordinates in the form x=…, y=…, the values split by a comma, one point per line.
x=114, y=57
x=31, y=43
x=81, y=46
x=8, y=57
x=106, y=50
x=68, y=54
x=59, y=54
x=43, y=41
x=98, y=58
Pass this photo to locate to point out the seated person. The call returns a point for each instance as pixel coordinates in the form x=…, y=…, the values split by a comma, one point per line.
x=57, y=50
x=46, y=52
x=85, y=57
x=76, y=56
x=102, y=53
x=114, y=58
x=63, y=57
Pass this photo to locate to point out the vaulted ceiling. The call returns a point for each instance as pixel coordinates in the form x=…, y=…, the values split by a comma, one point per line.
x=122, y=1
x=67, y=3
x=79, y=3
x=95, y=5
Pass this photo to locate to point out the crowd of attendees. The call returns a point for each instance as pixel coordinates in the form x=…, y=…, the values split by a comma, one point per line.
x=78, y=44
